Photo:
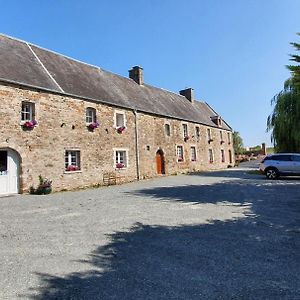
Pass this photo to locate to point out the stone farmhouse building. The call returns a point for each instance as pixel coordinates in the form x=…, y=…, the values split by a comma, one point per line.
x=80, y=125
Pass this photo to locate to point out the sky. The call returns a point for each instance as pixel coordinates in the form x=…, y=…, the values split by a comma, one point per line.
x=232, y=53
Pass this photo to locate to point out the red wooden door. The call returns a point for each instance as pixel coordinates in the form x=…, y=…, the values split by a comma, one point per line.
x=160, y=162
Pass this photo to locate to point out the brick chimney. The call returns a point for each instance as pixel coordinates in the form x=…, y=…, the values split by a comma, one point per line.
x=188, y=94
x=137, y=74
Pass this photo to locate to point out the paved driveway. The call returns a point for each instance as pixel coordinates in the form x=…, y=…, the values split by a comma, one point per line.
x=218, y=235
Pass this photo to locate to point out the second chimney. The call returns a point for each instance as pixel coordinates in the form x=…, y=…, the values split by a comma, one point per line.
x=188, y=93
x=137, y=74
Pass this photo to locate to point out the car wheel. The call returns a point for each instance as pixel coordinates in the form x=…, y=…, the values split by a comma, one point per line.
x=272, y=173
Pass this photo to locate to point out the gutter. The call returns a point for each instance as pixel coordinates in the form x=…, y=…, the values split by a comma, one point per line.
x=137, y=154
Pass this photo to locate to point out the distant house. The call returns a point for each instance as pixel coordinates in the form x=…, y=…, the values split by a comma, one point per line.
x=80, y=125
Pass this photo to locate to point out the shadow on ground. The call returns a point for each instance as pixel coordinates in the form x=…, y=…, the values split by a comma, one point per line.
x=251, y=258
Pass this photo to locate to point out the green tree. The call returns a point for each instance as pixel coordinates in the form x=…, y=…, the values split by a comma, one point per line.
x=284, y=122
x=237, y=143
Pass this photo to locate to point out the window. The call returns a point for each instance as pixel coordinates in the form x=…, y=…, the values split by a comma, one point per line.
x=72, y=160
x=229, y=137
x=167, y=129
x=3, y=163
x=221, y=137
x=120, y=119
x=120, y=159
x=193, y=154
x=197, y=128
x=209, y=135
x=296, y=158
x=281, y=157
x=90, y=115
x=28, y=111
x=222, y=155
x=185, y=130
x=230, y=156
x=179, y=152
x=211, y=156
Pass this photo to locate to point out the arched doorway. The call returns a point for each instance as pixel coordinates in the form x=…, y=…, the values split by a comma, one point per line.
x=9, y=171
x=160, y=162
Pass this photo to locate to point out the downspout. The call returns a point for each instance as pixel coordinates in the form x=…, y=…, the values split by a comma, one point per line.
x=137, y=154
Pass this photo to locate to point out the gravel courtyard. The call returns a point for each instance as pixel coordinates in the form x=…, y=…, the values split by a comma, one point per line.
x=217, y=235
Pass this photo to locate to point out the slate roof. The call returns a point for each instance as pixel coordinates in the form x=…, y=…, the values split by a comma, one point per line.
x=29, y=65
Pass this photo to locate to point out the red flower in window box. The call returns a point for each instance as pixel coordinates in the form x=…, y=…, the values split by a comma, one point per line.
x=120, y=166
x=121, y=129
x=180, y=159
x=72, y=168
x=30, y=124
x=93, y=125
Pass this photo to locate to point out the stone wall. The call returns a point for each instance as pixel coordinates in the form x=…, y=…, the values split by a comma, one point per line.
x=61, y=126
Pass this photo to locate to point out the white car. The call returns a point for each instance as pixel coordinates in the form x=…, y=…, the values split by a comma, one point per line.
x=278, y=164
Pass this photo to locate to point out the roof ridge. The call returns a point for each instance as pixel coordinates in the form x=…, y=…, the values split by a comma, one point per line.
x=51, y=51
x=46, y=70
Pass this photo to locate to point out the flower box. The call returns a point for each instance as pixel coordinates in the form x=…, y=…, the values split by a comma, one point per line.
x=120, y=166
x=71, y=168
x=29, y=124
x=93, y=125
x=121, y=129
x=186, y=138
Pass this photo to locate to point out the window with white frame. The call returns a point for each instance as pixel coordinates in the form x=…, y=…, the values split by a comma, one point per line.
x=167, y=129
x=185, y=130
x=197, y=129
x=120, y=159
x=72, y=160
x=179, y=153
x=90, y=116
x=229, y=137
x=210, y=156
x=120, y=119
x=193, y=154
x=222, y=155
x=221, y=136
x=28, y=111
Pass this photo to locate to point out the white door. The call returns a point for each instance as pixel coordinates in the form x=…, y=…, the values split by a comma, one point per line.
x=9, y=172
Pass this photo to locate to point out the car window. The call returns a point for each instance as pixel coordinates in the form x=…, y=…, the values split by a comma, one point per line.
x=281, y=157
x=296, y=157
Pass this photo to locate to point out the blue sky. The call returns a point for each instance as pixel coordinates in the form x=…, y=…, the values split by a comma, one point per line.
x=233, y=52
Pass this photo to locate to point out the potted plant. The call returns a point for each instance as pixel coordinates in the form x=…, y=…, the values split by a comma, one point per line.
x=93, y=125
x=120, y=166
x=121, y=129
x=30, y=124
x=186, y=138
x=71, y=168
x=44, y=187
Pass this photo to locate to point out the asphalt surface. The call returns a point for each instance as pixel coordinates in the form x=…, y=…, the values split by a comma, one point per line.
x=218, y=235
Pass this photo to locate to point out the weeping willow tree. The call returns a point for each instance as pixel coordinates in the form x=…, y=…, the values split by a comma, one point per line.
x=284, y=122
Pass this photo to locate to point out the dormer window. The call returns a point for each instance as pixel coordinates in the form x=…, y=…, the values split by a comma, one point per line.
x=217, y=120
